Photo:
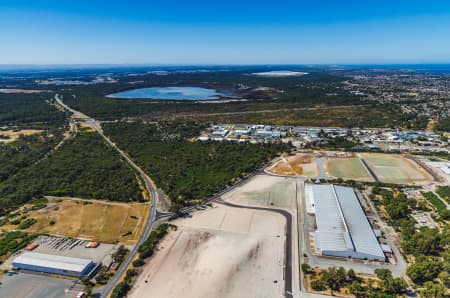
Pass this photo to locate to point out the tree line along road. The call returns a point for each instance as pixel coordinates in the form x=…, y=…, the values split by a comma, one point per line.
x=107, y=289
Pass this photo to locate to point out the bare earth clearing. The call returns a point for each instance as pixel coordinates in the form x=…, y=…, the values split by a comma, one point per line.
x=219, y=252
x=265, y=191
x=14, y=135
x=301, y=164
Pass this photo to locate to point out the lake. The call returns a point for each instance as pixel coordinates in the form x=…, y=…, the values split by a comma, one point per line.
x=280, y=73
x=169, y=93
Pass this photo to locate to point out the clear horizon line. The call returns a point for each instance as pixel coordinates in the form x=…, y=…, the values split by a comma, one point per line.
x=221, y=64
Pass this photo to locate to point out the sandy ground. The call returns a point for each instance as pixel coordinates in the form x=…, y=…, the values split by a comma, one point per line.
x=301, y=164
x=219, y=252
x=14, y=135
x=266, y=191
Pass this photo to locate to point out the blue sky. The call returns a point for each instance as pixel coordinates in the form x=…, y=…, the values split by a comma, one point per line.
x=224, y=32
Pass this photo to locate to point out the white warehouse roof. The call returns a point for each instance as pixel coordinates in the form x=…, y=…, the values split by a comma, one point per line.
x=332, y=232
x=53, y=261
x=342, y=227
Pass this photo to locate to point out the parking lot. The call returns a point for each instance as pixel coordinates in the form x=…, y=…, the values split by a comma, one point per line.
x=26, y=285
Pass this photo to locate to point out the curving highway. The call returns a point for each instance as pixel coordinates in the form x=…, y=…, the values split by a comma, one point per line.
x=155, y=215
x=151, y=188
x=288, y=244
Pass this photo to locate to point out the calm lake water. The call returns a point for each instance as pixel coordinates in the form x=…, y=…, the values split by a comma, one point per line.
x=280, y=73
x=169, y=93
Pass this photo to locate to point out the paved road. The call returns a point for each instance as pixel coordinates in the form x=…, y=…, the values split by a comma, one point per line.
x=106, y=290
x=291, y=236
x=154, y=214
x=359, y=266
x=219, y=194
x=288, y=244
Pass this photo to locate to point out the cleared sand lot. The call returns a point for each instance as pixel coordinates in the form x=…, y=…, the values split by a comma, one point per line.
x=265, y=191
x=13, y=135
x=348, y=168
x=394, y=168
x=100, y=221
x=300, y=164
x=219, y=252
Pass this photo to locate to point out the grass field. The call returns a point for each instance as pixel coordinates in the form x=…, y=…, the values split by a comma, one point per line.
x=433, y=199
x=394, y=168
x=348, y=168
x=100, y=221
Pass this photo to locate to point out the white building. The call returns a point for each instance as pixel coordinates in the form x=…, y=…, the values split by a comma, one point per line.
x=342, y=227
x=54, y=264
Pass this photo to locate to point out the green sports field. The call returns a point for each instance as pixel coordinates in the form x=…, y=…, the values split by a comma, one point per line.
x=348, y=168
x=394, y=168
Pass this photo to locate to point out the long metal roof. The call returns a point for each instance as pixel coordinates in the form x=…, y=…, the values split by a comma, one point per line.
x=331, y=228
x=363, y=236
x=53, y=261
x=341, y=222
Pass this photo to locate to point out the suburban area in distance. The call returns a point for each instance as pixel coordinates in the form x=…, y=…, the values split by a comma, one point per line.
x=228, y=150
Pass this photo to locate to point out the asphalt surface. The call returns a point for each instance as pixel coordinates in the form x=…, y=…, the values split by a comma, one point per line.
x=359, y=266
x=106, y=290
x=36, y=285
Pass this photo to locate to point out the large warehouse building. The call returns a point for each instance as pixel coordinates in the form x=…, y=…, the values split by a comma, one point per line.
x=342, y=227
x=54, y=264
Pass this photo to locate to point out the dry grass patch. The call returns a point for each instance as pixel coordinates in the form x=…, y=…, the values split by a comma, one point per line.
x=100, y=221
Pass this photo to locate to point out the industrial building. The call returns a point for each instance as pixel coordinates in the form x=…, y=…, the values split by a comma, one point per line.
x=54, y=264
x=342, y=226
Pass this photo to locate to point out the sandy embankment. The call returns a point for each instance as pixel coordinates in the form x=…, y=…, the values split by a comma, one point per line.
x=220, y=252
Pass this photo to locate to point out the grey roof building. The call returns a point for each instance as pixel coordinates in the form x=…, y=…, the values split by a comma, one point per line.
x=342, y=227
x=54, y=264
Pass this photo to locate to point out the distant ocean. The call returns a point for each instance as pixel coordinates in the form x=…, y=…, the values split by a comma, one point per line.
x=433, y=70
x=418, y=68
x=425, y=68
